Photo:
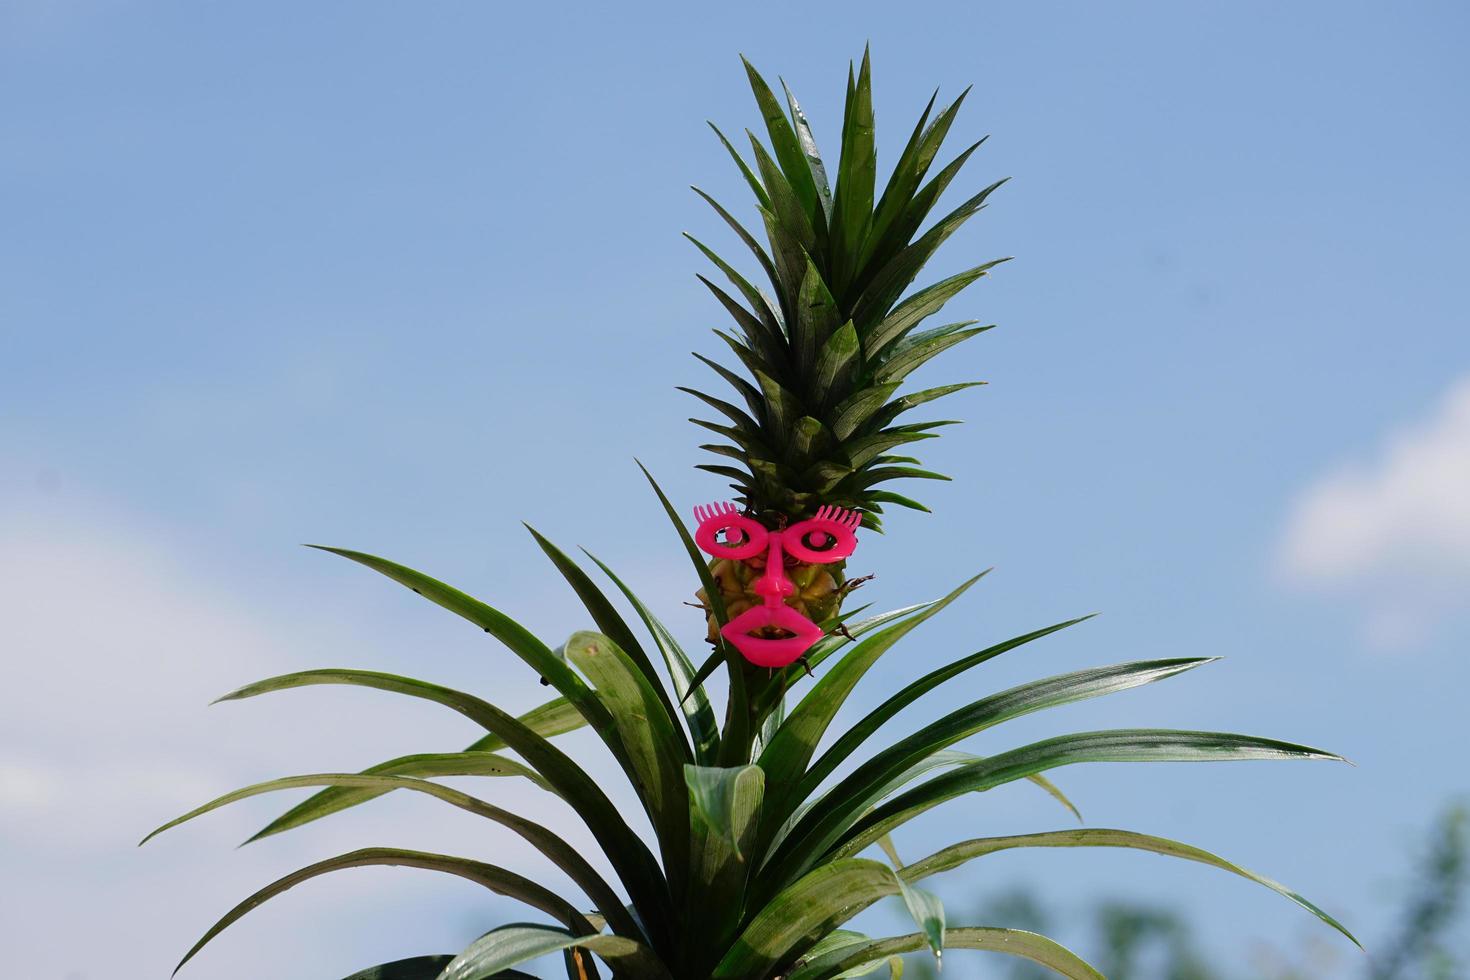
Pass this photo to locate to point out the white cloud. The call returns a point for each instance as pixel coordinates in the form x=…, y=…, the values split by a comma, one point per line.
x=1394, y=531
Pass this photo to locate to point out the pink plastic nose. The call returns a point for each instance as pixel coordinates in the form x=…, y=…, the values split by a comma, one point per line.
x=773, y=586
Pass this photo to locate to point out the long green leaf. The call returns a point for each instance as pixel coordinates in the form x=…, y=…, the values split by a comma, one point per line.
x=793, y=921
x=415, y=968
x=510, y=945
x=790, y=212
x=891, y=281
x=943, y=759
x=875, y=719
x=927, y=911
x=928, y=301
x=1014, y=942
x=553, y=847
x=958, y=854
x=839, y=363
x=898, y=406
x=724, y=807
x=871, y=781
x=555, y=717
x=611, y=623
x=737, y=724
x=860, y=406
x=911, y=353
x=727, y=802
x=908, y=173
x=744, y=236
x=495, y=878
x=916, y=210
x=516, y=637
x=857, y=171
x=833, y=642
x=817, y=316
x=808, y=144
x=656, y=749
x=794, y=161
x=426, y=765
x=837, y=944
x=628, y=854
x=787, y=756
x=1120, y=745
x=761, y=196
x=754, y=400
x=698, y=714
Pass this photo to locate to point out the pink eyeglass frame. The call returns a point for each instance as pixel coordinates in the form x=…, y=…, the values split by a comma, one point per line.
x=837, y=524
x=837, y=528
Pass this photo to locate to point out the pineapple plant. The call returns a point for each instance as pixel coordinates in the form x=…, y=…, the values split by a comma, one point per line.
x=766, y=835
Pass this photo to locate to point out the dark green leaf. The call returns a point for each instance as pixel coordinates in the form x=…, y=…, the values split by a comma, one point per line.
x=867, y=784
x=737, y=725
x=809, y=149
x=1122, y=745
x=745, y=236
x=611, y=623
x=628, y=854
x=793, y=921
x=838, y=366
x=865, y=449
x=753, y=398
x=417, y=968
x=855, y=736
x=790, y=211
x=910, y=354
x=516, y=637
x=958, y=854
x=927, y=912
x=848, y=416
x=794, y=161
x=852, y=209
x=697, y=711
x=912, y=164
x=890, y=282
x=496, y=879
x=557, y=850
x=1014, y=942
x=750, y=178
x=816, y=317
x=786, y=758
x=510, y=945
x=742, y=421
x=927, y=301
x=656, y=749
x=424, y=766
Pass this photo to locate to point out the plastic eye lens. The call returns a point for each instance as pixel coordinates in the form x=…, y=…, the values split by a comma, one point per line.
x=727, y=535
x=820, y=541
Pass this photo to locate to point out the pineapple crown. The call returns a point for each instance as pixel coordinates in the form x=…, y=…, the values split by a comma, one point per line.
x=826, y=352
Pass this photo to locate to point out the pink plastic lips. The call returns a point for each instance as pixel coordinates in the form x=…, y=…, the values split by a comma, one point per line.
x=828, y=537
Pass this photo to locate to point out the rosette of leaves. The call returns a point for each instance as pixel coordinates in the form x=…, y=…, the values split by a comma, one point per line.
x=761, y=856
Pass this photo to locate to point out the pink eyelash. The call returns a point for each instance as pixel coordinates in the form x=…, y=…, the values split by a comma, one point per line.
x=705, y=512
x=849, y=519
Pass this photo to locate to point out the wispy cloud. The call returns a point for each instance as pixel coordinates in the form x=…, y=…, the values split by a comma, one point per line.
x=1393, y=531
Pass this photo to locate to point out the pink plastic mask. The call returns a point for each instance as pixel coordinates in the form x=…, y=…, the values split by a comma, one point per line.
x=828, y=537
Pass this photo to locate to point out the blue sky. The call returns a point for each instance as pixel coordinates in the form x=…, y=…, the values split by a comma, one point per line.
x=396, y=277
